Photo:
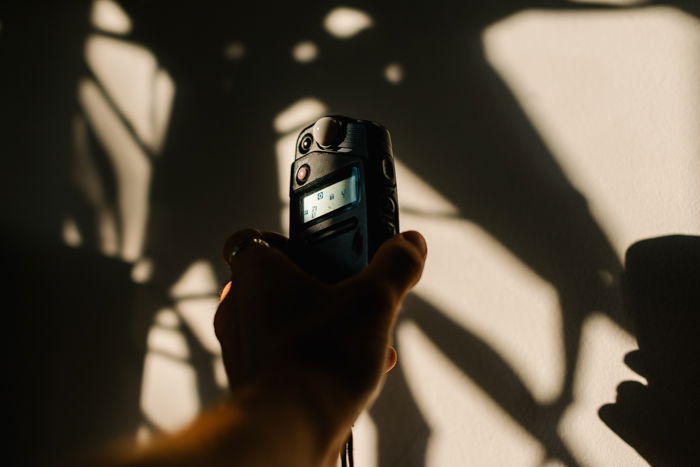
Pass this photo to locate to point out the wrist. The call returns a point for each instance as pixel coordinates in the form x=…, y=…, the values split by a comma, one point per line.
x=313, y=406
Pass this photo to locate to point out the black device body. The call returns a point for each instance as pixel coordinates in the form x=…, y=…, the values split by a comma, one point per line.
x=343, y=198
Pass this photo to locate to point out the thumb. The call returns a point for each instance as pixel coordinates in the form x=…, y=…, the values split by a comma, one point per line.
x=398, y=263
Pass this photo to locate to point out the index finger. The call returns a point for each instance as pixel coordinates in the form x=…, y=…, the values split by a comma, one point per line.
x=276, y=240
x=262, y=262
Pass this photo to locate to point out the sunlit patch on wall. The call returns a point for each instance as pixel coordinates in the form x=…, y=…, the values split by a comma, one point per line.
x=71, y=234
x=603, y=346
x=220, y=372
x=365, y=437
x=481, y=287
x=465, y=422
x=609, y=91
x=163, y=92
x=167, y=318
x=141, y=92
x=343, y=22
x=234, y=51
x=88, y=181
x=130, y=163
x=167, y=341
x=195, y=296
x=299, y=113
x=168, y=393
x=505, y=303
x=305, y=51
x=169, y=397
x=142, y=270
x=393, y=73
x=108, y=16
x=418, y=197
x=128, y=107
x=198, y=279
x=198, y=313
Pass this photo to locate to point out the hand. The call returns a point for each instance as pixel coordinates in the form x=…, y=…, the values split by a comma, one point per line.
x=288, y=337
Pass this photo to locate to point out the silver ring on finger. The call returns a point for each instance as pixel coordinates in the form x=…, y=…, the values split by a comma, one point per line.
x=246, y=243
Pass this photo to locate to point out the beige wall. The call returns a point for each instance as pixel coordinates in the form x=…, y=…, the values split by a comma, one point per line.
x=613, y=94
x=615, y=97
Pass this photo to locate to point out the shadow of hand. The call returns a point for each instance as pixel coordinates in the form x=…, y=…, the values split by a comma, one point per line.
x=661, y=288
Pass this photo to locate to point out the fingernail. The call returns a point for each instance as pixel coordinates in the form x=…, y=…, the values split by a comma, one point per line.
x=417, y=240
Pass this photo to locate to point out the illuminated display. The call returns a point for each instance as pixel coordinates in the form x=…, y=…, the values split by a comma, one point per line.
x=329, y=198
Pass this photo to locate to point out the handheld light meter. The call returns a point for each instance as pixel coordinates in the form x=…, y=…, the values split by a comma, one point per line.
x=343, y=199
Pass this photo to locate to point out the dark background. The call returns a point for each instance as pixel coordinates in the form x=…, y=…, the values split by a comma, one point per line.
x=80, y=322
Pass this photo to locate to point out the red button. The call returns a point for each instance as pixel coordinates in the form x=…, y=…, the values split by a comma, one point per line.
x=302, y=174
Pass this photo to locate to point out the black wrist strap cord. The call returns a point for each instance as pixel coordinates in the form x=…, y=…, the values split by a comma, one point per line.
x=346, y=457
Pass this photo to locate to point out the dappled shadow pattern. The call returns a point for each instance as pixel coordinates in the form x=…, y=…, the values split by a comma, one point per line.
x=453, y=121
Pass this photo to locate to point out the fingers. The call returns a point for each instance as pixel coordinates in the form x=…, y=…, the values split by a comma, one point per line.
x=398, y=263
x=274, y=239
x=252, y=252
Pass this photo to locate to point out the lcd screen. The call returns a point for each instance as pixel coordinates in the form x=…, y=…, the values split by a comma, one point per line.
x=330, y=198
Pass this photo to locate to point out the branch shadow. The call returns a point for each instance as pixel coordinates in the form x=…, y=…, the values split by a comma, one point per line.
x=484, y=366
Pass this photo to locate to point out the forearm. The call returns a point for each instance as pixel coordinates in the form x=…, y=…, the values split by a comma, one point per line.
x=244, y=431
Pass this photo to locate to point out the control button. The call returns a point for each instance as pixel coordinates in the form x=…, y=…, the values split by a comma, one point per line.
x=303, y=174
x=306, y=143
x=327, y=131
x=388, y=169
x=389, y=205
x=390, y=228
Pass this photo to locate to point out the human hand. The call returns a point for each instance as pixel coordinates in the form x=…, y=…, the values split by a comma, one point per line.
x=292, y=338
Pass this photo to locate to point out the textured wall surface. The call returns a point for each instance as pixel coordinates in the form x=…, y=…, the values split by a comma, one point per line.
x=536, y=142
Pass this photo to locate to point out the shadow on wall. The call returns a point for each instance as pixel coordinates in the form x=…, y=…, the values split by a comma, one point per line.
x=216, y=174
x=661, y=419
x=79, y=342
